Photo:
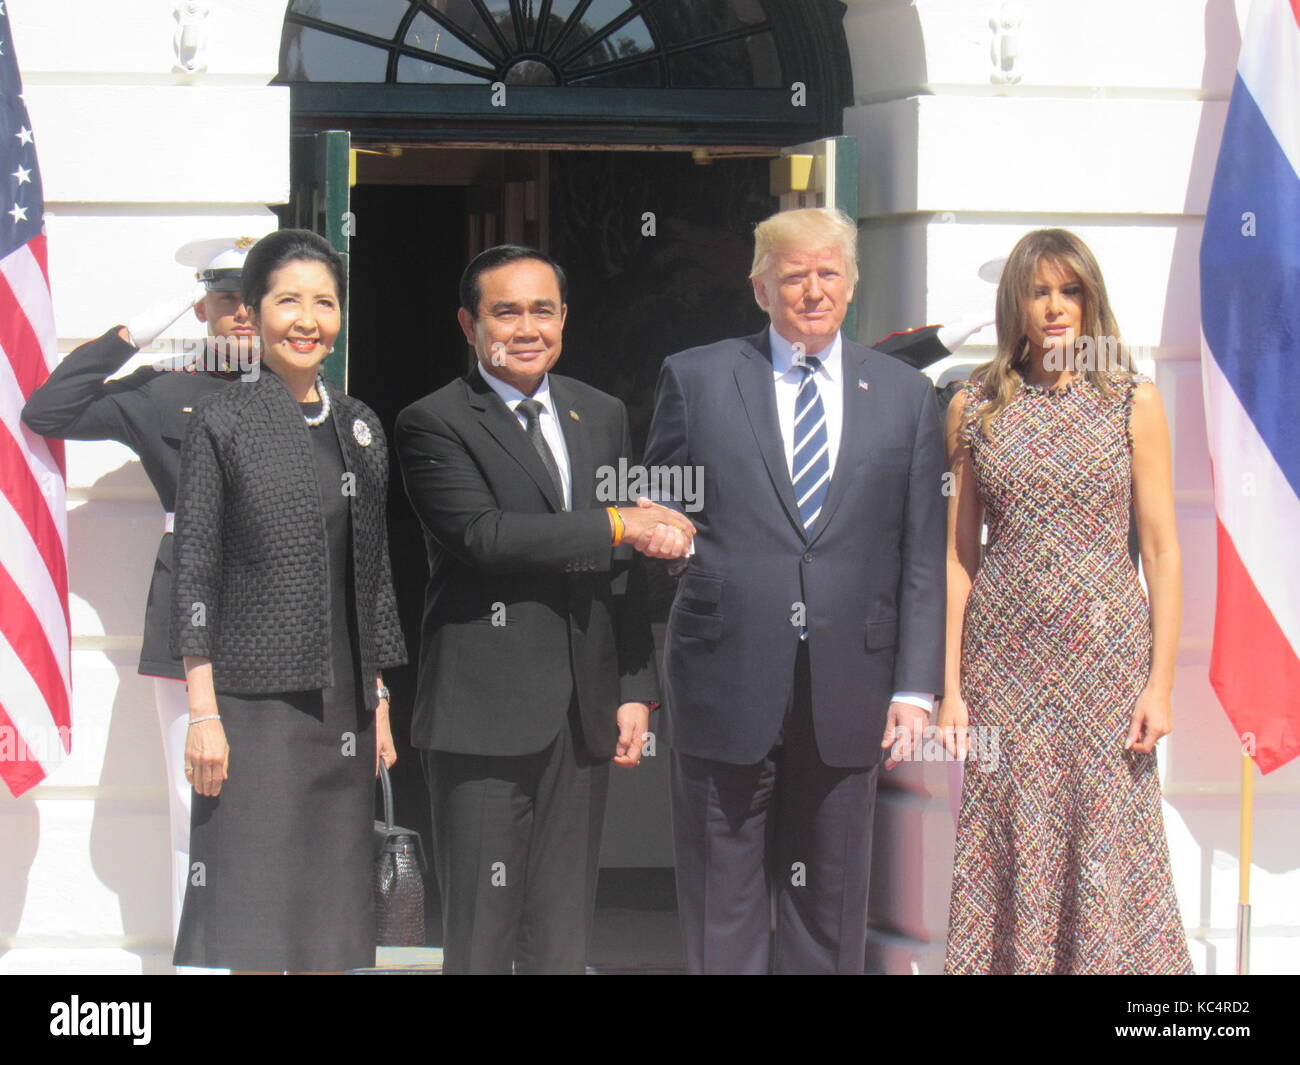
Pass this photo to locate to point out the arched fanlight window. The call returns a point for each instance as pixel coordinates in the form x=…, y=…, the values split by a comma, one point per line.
x=660, y=44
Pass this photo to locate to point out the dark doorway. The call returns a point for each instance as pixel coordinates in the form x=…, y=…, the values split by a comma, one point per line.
x=404, y=343
x=657, y=247
x=407, y=255
x=635, y=297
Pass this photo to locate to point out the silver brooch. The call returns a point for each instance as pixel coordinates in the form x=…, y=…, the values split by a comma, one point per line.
x=361, y=432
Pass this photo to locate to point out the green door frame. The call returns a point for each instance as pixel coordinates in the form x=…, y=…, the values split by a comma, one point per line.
x=333, y=221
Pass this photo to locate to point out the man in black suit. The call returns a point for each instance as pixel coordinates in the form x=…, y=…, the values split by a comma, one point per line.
x=807, y=631
x=537, y=663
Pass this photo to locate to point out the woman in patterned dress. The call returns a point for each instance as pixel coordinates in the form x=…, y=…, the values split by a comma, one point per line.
x=1053, y=653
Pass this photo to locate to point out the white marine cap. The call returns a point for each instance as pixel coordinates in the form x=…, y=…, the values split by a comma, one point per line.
x=219, y=263
x=991, y=271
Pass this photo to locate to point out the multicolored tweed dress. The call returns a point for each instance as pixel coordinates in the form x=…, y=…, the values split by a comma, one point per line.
x=1061, y=862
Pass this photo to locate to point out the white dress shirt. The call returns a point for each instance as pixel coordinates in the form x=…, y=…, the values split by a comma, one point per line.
x=786, y=378
x=548, y=420
x=830, y=387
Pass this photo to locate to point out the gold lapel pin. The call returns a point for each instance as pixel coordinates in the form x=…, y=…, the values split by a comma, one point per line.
x=574, y=415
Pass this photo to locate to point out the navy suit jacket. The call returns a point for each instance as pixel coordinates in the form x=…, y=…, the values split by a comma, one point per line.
x=869, y=576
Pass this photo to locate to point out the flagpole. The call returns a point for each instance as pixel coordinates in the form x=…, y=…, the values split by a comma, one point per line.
x=1243, y=882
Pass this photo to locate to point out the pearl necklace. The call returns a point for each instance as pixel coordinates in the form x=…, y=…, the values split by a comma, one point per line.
x=317, y=419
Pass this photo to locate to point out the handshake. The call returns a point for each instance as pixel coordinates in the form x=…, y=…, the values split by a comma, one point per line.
x=655, y=530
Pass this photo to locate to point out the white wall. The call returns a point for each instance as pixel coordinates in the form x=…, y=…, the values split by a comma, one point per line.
x=136, y=159
x=1112, y=131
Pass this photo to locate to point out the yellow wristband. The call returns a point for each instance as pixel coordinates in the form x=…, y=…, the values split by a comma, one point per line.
x=616, y=524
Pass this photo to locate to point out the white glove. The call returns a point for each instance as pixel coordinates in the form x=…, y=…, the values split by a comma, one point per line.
x=954, y=336
x=148, y=326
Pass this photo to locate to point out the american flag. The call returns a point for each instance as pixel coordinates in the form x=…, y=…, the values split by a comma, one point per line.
x=1250, y=281
x=35, y=689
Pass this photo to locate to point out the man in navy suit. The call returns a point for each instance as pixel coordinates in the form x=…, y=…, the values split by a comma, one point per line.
x=807, y=633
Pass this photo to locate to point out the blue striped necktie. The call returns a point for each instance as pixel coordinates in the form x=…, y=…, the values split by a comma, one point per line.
x=811, y=469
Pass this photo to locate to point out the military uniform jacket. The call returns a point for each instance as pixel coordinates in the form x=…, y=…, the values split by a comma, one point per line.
x=917, y=347
x=148, y=411
x=251, y=588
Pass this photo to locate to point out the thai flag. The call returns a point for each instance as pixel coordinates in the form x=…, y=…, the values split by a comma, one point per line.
x=1250, y=322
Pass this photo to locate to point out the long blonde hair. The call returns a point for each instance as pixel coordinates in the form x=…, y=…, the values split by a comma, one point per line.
x=1000, y=379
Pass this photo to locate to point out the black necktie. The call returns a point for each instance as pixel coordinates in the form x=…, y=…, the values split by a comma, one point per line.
x=531, y=409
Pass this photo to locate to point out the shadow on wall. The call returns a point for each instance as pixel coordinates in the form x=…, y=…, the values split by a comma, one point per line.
x=21, y=833
x=129, y=840
x=128, y=836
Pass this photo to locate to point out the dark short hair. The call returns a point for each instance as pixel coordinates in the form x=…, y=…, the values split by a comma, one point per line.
x=503, y=254
x=287, y=246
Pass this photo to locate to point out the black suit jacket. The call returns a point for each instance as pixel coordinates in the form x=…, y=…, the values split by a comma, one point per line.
x=527, y=604
x=870, y=575
x=148, y=411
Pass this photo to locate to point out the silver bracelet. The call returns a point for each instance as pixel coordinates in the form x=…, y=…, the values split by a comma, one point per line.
x=208, y=717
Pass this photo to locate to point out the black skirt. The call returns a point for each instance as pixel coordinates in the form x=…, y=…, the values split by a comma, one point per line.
x=281, y=861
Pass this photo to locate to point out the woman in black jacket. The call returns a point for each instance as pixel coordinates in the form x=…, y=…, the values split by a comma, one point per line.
x=285, y=613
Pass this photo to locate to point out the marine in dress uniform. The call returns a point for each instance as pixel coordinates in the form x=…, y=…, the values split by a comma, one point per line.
x=929, y=343
x=148, y=411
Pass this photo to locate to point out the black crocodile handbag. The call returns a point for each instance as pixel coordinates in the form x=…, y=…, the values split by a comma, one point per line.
x=399, y=878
